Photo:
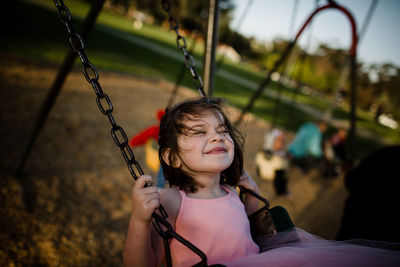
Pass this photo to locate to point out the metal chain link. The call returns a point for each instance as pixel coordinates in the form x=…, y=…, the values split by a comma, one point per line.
x=181, y=44
x=102, y=99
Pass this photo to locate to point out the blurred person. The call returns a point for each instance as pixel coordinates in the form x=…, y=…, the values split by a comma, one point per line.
x=335, y=152
x=305, y=150
x=271, y=162
x=149, y=138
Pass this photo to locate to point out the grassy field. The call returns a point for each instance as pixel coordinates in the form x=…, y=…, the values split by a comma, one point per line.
x=33, y=30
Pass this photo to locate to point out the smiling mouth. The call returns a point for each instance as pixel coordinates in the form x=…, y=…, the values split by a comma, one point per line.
x=217, y=150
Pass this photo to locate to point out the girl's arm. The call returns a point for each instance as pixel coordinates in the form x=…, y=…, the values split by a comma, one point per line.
x=141, y=245
x=250, y=202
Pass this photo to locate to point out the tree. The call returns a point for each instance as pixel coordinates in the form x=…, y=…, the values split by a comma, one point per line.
x=387, y=88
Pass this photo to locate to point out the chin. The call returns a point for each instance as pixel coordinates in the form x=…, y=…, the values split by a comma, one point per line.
x=220, y=168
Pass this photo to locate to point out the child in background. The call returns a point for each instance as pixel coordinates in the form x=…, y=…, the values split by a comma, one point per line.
x=335, y=153
x=272, y=163
x=202, y=158
x=149, y=138
x=338, y=144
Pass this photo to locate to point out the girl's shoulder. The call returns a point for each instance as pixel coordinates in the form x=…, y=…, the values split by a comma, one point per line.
x=231, y=188
x=169, y=193
x=171, y=201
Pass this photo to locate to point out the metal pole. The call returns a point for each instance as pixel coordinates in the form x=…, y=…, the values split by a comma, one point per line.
x=353, y=110
x=56, y=87
x=211, y=45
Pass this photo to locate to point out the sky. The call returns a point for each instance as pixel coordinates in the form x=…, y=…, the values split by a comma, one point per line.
x=268, y=19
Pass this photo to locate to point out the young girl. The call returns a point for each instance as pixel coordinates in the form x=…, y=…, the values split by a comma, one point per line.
x=201, y=155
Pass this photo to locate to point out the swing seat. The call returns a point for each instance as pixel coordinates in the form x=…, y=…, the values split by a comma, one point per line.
x=281, y=219
x=267, y=221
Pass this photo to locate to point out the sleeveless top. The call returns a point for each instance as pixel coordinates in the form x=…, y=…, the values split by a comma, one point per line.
x=218, y=227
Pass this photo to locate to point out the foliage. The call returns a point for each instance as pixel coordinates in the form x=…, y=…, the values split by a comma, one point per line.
x=321, y=70
x=383, y=90
x=113, y=52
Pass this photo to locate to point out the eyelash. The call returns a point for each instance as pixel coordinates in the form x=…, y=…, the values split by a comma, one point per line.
x=203, y=132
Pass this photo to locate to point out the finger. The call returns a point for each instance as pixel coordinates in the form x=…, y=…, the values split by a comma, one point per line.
x=154, y=195
x=142, y=181
x=150, y=190
x=153, y=204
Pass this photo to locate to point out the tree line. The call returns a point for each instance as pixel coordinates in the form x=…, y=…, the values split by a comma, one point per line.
x=378, y=84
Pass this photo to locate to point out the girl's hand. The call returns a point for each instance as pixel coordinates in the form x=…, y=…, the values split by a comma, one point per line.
x=144, y=199
x=250, y=202
x=247, y=182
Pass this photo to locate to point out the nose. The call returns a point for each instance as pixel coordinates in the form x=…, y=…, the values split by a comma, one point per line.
x=217, y=137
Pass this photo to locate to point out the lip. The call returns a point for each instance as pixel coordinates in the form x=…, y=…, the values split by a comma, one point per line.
x=217, y=150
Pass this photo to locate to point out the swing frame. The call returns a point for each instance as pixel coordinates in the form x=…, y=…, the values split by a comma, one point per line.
x=352, y=55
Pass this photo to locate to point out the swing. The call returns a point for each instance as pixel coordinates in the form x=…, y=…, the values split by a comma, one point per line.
x=263, y=221
x=266, y=221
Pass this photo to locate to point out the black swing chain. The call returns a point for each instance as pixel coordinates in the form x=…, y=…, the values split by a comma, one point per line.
x=181, y=44
x=103, y=101
x=162, y=226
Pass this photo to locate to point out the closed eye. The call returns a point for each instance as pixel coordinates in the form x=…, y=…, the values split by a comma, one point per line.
x=222, y=130
x=198, y=131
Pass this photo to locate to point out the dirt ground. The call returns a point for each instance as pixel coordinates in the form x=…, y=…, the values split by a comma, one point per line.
x=72, y=204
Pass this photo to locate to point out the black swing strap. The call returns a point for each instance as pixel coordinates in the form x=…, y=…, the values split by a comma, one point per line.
x=259, y=220
x=244, y=190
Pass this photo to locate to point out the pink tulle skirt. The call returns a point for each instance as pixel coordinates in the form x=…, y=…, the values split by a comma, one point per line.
x=300, y=248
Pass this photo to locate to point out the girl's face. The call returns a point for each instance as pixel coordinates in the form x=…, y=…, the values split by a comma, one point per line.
x=207, y=146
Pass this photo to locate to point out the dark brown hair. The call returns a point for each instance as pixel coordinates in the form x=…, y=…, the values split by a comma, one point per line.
x=172, y=126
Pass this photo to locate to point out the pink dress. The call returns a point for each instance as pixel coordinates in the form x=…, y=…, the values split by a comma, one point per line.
x=219, y=227
x=299, y=248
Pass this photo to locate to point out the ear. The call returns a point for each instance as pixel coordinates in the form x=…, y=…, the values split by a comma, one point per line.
x=176, y=160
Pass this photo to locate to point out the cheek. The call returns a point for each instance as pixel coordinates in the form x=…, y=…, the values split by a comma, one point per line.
x=231, y=145
x=229, y=141
x=189, y=151
x=187, y=145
